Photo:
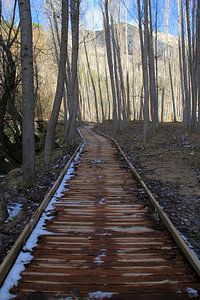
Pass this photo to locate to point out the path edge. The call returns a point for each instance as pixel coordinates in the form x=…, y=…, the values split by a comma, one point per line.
x=187, y=252
x=23, y=237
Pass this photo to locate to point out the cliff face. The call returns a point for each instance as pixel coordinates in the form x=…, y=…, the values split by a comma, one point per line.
x=166, y=42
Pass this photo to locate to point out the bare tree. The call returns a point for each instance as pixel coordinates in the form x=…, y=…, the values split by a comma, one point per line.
x=172, y=91
x=73, y=80
x=106, y=22
x=28, y=105
x=93, y=83
x=60, y=85
x=198, y=60
x=99, y=82
x=184, y=69
x=144, y=55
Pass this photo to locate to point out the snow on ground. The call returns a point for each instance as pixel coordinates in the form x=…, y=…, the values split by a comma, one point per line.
x=102, y=201
x=192, y=292
x=13, y=210
x=25, y=256
x=100, y=295
x=99, y=259
x=190, y=246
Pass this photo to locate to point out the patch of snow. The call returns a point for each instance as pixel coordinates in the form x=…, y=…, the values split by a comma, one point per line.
x=25, y=256
x=192, y=292
x=105, y=234
x=130, y=229
x=189, y=245
x=13, y=210
x=100, y=295
x=99, y=259
x=102, y=201
x=96, y=162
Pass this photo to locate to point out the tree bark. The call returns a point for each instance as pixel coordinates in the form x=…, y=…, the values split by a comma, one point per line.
x=93, y=84
x=60, y=85
x=172, y=91
x=99, y=83
x=144, y=54
x=110, y=61
x=73, y=81
x=28, y=105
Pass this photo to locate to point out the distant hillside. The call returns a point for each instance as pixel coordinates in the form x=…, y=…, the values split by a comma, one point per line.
x=165, y=41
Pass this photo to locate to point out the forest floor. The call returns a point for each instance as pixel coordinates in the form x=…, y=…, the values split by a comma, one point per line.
x=169, y=163
x=23, y=202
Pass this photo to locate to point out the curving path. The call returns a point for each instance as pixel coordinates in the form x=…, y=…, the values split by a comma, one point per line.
x=102, y=242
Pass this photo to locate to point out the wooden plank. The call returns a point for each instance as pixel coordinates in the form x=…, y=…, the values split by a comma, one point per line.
x=14, y=251
x=188, y=253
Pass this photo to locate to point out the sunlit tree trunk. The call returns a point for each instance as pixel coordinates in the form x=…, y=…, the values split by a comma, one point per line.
x=93, y=83
x=115, y=61
x=172, y=91
x=28, y=105
x=198, y=59
x=153, y=90
x=184, y=70
x=110, y=60
x=99, y=83
x=73, y=82
x=60, y=85
x=190, y=64
x=144, y=54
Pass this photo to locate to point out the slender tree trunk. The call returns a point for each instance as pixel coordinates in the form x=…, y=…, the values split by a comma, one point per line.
x=28, y=105
x=99, y=82
x=127, y=72
x=184, y=66
x=93, y=84
x=110, y=60
x=162, y=105
x=60, y=85
x=122, y=85
x=144, y=54
x=191, y=73
x=153, y=90
x=172, y=90
x=73, y=82
x=198, y=60
x=119, y=105
x=108, y=94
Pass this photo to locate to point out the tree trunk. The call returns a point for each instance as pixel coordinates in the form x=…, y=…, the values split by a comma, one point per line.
x=198, y=60
x=162, y=105
x=191, y=73
x=172, y=90
x=184, y=66
x=144, y=53
x=73, y=82
x=93, y=84
x=3, y=208
x=28, y=105
x=60, y=85
x=99, y=82
x=110, y=60
x=153, y=91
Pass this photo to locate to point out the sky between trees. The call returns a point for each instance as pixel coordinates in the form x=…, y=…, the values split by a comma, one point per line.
x=93, y=7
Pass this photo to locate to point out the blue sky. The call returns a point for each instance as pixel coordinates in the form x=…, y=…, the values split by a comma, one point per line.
x=91, y=16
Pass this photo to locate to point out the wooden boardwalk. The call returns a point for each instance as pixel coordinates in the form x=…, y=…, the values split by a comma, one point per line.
x=103, y=244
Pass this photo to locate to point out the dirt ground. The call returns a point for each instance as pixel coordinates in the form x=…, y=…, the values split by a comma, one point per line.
x=170, y=165
x=28, y=199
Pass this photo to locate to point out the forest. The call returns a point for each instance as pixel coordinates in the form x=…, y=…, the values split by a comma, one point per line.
x=130, y=69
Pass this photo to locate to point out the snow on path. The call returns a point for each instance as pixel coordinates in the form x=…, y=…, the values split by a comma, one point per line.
x=25, y=256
